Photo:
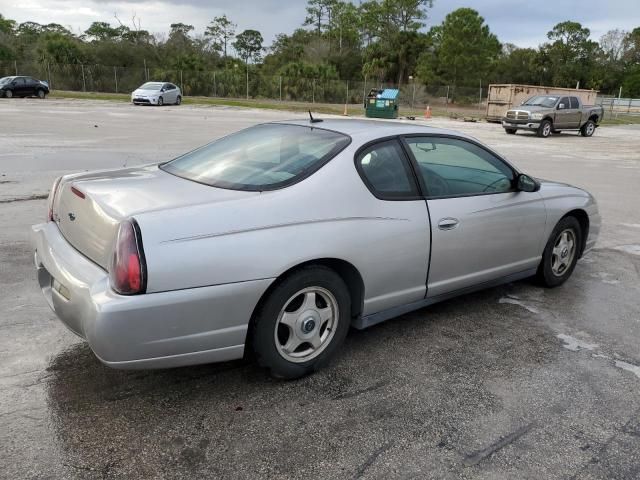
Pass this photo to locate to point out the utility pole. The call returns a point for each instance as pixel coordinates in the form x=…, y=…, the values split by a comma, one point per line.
x=115, y=76
x=84, y=84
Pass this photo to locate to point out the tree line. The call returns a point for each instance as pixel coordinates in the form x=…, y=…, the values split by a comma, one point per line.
x=382, y=40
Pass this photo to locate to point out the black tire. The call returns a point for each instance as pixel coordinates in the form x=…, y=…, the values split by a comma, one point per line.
x=511, y=131
x=178, y=100
x=266, y=320
x=546, y=274
x=41, y=94
x=556, y=132
x=545, y=128
x=588, y=128
x=160, y=101
x=8, y=93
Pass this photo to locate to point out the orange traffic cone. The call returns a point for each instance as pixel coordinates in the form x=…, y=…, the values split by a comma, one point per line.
x=427, y=113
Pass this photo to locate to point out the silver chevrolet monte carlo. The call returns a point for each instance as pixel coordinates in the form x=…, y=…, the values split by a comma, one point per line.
x=278, y=238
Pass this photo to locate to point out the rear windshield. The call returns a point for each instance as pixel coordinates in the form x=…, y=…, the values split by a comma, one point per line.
x=264, y=157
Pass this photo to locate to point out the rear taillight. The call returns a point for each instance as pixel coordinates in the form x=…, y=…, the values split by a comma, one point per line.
x=52, y=197
x=128, y=272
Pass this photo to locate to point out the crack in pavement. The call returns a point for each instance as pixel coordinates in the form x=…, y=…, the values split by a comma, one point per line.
x=35, y=196
x=476, y=457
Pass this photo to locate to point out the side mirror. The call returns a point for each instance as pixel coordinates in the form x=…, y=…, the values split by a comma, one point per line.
x=524, y=183
x=560, y=106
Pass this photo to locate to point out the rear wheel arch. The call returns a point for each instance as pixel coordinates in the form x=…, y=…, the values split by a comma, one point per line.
x=347, y=271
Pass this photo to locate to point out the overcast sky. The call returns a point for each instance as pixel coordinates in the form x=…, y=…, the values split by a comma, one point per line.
x=523, y=22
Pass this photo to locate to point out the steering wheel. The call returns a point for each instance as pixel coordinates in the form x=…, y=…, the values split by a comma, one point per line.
x=491, y=185
x=436, y=184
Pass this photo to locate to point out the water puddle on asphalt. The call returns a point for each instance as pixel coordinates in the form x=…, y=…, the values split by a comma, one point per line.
x=604, y=277
x=635, y=369
x=632, y=249
x=516, y=301
x=574, y=344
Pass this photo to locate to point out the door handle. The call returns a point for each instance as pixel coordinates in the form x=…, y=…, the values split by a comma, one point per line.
x=448, y=223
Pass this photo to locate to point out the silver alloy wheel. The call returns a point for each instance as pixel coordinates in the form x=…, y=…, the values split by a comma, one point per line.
x=8, y=94
x=40, y=93
x=590, y=129
x=160, y=102
x=546, y=131
x=306, y=324
x=563, y=252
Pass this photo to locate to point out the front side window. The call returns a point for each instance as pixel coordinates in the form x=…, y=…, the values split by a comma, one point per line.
x=564, y=101
x=264, y=157
x=455, y=167
x=385, y=170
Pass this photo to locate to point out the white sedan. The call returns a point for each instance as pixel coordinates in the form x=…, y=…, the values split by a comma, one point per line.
x=157, y=93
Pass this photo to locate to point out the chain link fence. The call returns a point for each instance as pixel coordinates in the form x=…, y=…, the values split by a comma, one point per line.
x=616, y=106
x=239, y=83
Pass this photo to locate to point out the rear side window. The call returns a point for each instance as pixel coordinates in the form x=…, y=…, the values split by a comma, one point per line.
x=574, y=102
x=264, y=157
x=386, y=171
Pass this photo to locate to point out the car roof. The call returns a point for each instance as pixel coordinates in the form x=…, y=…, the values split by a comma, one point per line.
x=366, y=130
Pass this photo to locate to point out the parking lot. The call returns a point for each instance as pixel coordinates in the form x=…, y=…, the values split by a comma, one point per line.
x=512, y=382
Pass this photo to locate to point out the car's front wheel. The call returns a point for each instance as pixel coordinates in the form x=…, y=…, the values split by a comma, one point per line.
x=302, y=322
x=545, y=128
x=41, y=94
x=178, y=100
x=561, y=253
x=160, y=102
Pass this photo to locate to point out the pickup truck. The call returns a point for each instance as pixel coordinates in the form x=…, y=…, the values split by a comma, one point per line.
x=547, y=114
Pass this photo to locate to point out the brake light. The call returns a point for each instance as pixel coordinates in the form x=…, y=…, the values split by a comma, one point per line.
x=52, y=197
x=128, y=270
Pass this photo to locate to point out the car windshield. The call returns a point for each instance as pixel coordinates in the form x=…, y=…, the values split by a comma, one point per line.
x=541, y=101
x=264, y=157
x=152, y=86
x=5, y=80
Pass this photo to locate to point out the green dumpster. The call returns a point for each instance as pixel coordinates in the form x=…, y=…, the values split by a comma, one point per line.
x=382, y=103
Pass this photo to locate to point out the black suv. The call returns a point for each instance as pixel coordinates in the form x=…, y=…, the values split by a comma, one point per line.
x=23, y=87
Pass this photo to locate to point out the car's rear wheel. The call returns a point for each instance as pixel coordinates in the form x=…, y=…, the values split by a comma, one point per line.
x=160, y=102
x=561, y=253
x=8, y=94
x=178, y=100
x=41, y=94
x=302, y=322
x=544, y=130
x=510, y=131
x=588, y=128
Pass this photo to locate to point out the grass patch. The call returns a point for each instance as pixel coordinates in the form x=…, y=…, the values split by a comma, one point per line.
x=354, y=110
x=621, y=120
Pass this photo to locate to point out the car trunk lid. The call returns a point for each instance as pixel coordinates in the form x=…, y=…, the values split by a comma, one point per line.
x=88, y=208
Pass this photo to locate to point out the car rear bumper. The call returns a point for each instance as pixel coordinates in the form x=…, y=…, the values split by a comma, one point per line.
x=157, y=330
